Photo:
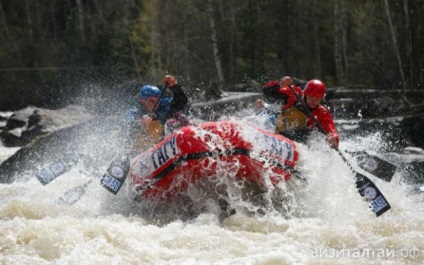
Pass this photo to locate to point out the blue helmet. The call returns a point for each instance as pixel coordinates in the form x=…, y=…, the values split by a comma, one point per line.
x=148, y=91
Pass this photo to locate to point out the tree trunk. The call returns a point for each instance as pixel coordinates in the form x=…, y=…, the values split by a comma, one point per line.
x=53, y=20
x=252, y=39
x=337, y=42
x=316, y=41
x=29, y=21
x=409, y=50
x=394, y=41
x=340, y=41
x=344, y=43
x=99, y=10
x=155, y=43
x=81, y=20
x=5, y=37
x=134, y=57
x=233, y=31
x=214, y=39
x=186, y=51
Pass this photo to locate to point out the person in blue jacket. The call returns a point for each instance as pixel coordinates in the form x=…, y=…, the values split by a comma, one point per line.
x=154, y=111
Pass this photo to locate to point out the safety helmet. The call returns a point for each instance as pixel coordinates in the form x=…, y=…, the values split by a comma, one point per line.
x=148, y=91
x=315, y=88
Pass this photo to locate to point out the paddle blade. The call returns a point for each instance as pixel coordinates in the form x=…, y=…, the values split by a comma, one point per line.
x=51, y=172
x=378, y=167
x=116, y=175
x=369, y=191
x=74, y=195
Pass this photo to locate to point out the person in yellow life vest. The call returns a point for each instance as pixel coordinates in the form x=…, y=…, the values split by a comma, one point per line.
x=154, y=110
x=291, y=118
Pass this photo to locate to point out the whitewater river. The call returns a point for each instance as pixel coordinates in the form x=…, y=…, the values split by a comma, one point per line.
x=331, y=224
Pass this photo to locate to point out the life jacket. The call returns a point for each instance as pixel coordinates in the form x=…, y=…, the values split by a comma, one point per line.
x=291, y=119
x=152, y=134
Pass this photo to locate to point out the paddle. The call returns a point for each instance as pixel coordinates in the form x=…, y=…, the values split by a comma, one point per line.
x=50, y=172
x=73, y=195
x=366, y=188
x=115, y=176
x=373, y=164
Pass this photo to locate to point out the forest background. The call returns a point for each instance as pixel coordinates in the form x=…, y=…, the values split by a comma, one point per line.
x=53, y=52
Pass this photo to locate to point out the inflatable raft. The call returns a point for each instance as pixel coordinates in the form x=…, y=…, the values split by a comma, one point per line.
x=210, y=152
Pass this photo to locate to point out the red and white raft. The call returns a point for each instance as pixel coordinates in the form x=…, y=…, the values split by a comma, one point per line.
x=211, y=151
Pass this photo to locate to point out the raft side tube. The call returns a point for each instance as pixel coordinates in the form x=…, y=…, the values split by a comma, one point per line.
x=211, y=151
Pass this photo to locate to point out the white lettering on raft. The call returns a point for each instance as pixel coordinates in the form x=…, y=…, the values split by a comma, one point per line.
x=167, y=151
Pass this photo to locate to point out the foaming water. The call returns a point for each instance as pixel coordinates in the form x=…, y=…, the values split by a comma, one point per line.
x=330, y=223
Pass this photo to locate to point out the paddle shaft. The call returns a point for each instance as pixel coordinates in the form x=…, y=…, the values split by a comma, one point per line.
x=153, y=111
x=75, y=194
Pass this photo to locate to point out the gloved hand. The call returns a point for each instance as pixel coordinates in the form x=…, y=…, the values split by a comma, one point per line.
x=333, y=142
x=286, y=81
x=170, y=80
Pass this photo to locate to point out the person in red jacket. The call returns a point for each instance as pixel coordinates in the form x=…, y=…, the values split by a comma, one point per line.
x=293, y=120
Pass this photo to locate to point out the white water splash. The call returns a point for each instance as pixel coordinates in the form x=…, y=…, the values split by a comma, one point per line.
x=333, y=225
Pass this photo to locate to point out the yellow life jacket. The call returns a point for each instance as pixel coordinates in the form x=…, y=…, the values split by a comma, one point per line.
x=153, y=133
x=291, y=119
